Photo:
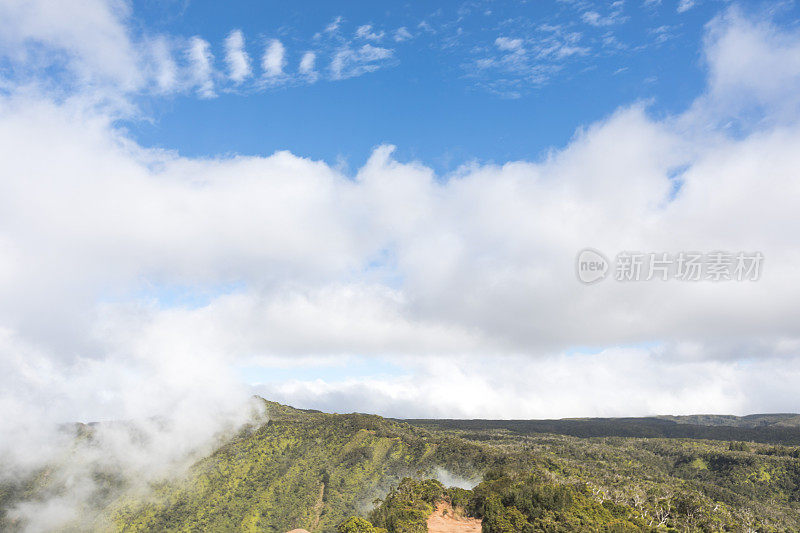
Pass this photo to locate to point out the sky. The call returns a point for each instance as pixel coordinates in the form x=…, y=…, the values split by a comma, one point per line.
x=430, y=80
x=382, y=208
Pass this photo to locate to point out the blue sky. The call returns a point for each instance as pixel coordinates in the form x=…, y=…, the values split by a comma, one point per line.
x=464, y=81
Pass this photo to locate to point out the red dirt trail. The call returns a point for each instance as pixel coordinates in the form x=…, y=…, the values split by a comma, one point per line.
x=445, y=520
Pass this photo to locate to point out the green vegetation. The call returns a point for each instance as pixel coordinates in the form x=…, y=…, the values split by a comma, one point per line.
x=778, y=429
x=642, y=483
x=356, y=524
x=529, y=503
x=406, y=508
x=366, y=474
x=302, y=469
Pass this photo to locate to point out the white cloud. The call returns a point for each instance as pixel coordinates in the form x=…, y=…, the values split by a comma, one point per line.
x=615, y=15
x=95, y=46
x=165, y=70
x=366, y=32
x=306, y=67
x=350, y=63
x=274, y=58
x=202, y=69
x=307, y=62
x=662, y=33
x=373, y=53
x=293, y=231
x=685, y=5
x=42, y=393
x=333, y=26
x=753, y=66
x=398, y=259
x=402, y=34
x=518, y=64
x=236, y=57
x=614, y=382
x=593, y=18
x=509, y=45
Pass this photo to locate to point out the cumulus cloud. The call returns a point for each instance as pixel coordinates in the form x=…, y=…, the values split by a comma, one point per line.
x=165, y=71
x=236, y=57
x=754, y=68
x=95, y=47
x=274, y=58
x=613, y=382
x=307, y=63
x=202, y=61
x=478, y=263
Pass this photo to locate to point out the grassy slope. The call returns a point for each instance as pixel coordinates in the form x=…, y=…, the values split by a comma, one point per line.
x=302, y=469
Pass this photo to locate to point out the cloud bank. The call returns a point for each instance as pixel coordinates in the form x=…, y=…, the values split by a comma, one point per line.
x=290, y=257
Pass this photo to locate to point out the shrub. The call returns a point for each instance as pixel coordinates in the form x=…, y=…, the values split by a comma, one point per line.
x=355, y=524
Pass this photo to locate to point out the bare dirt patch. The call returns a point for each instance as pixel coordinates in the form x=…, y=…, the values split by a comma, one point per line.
x=445, y=519
x=318, y=507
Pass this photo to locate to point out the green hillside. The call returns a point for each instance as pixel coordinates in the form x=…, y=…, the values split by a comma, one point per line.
x=312, y=470
x=774, y=420
x=301, y=470
x=775, y=429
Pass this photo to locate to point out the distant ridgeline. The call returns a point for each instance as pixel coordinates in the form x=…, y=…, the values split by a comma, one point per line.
x=363, y=474
x=769, y=428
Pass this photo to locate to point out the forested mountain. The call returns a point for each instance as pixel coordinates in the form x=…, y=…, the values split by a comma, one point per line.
x=774, y=428
x=750, y=421
x=313, y=470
